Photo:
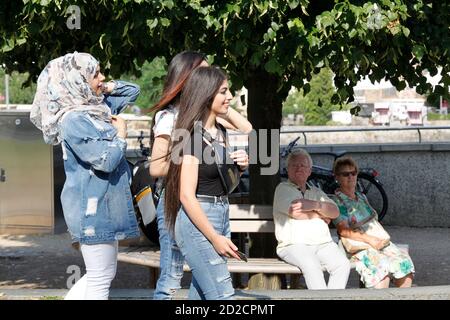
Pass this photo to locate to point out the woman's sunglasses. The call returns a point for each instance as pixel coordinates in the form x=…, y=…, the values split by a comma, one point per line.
x=348, y=173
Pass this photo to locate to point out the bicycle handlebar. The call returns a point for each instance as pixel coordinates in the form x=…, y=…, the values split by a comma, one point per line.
x=289, y=147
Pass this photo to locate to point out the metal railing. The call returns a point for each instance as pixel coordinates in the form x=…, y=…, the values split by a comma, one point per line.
x=348, y=129
x=418, y=129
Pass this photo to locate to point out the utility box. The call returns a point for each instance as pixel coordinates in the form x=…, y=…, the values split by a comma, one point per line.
x=26, y=176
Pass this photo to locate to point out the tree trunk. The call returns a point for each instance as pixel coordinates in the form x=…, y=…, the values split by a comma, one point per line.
x=264, y=112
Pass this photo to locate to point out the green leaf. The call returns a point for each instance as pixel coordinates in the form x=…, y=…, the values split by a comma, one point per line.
x=406, y=31
x=296, y=23
x=304, y=10
x=256, y=57
x=313, y=40
x=168, y=3
x=439, y=90
x=433, y=70
x=272, y=66
x=269, y=35
x=165, y=22
x=306, y=88
x=275, y=26
x=319, y=102
x=241, y=48
x=395, y=30
x=335, y=99
x=100, y=41
x=6, y=48
x=418, y=51
x=319, y=65
x=392, y=16
x=152, y=23
x=355, y=110
x=19, y=42
x=293, y=4
x=401, y=85
x=125, y=29
x=325, y=20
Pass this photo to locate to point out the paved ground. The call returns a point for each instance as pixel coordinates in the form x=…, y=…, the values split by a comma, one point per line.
x=415, y=293
x=49, y=262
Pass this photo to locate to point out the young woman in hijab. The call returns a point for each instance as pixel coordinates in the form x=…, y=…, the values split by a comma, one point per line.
x=75, y=107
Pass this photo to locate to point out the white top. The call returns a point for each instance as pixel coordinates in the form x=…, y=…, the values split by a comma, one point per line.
x=165, y=121
x=289, y=230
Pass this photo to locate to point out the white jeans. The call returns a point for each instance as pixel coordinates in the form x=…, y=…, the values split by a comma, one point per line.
x=311, y=258
x=101, y=266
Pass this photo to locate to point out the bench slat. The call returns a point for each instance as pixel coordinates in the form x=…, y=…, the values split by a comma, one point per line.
x=148, y=256
x=254, y=265
x=250, y=211
x=252, y=226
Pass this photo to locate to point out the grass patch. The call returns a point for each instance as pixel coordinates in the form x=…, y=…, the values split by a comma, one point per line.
x=437, y=116
x=51, y=298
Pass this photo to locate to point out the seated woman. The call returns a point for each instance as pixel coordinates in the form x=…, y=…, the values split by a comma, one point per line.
x=379, y=263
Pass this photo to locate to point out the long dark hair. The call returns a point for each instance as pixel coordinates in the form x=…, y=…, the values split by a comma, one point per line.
x=180, y=67
x=195, y=105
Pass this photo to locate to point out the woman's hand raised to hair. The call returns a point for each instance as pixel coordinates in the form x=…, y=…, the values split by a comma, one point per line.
x=108, y=87
x=121, y=126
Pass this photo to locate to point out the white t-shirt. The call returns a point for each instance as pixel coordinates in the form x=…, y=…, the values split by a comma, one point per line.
x=289, y=230
x=165, y=121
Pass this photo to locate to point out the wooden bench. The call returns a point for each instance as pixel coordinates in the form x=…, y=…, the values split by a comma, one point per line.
x=266, y=273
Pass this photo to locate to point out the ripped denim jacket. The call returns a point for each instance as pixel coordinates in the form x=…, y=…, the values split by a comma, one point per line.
x=96, y=197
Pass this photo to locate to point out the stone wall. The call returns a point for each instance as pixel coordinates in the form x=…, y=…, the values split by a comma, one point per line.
x=415, y=177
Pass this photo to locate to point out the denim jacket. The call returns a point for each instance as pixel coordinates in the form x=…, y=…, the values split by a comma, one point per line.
x=96, y=197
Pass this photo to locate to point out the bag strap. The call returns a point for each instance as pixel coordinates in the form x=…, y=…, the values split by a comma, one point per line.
x=372, y=215
x=212, y=142
x=366, y=201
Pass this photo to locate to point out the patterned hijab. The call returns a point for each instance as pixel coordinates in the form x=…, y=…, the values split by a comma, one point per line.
x=63, y=86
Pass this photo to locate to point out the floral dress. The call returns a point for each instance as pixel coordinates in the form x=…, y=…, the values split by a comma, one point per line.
x=372, y=265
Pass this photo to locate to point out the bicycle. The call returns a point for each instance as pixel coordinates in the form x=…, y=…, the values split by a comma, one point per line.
x=323, y=178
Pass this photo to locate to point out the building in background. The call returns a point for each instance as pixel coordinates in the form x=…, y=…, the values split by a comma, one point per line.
x=389, y=106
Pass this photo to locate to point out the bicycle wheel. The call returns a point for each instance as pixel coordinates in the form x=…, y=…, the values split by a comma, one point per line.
x=374, y=192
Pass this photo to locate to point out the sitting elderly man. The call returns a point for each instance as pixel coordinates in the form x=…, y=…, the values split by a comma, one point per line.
x=301, y=214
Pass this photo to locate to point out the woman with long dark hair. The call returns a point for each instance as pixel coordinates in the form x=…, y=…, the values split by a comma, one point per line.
x=196, y=197
x=166, y=113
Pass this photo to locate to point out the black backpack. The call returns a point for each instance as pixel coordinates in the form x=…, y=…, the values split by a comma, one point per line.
x=145, y=198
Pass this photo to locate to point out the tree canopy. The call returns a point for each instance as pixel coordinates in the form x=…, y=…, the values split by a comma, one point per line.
x=266, y=45
x=392, y=39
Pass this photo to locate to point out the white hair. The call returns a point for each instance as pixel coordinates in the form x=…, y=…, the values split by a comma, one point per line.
x=299, y=153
